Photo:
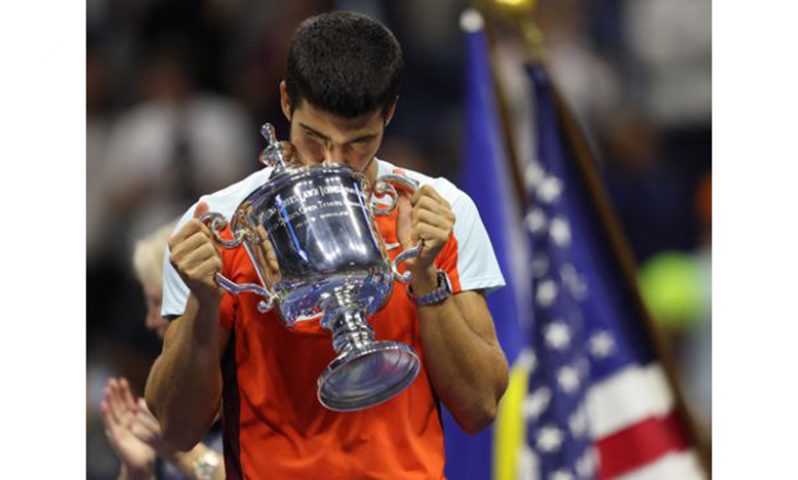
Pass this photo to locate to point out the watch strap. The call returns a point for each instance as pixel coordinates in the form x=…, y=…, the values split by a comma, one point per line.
x=441, y=293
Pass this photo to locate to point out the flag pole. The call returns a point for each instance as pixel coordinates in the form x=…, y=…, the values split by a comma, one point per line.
x=520, y=13
x=517, y=177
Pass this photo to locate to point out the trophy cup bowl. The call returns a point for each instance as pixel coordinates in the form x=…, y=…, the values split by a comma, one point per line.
x=333, y=269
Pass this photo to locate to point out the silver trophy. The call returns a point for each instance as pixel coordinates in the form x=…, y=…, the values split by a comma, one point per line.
x=333, y=268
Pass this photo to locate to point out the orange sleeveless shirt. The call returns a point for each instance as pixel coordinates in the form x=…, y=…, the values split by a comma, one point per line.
x=274, y=425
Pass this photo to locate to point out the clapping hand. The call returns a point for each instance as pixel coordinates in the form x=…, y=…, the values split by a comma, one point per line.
x=120, y=416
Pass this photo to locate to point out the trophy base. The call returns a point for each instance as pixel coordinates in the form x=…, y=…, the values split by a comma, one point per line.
x=367, y=375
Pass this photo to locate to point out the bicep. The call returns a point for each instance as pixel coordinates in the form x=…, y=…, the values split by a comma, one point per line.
x=173, y=330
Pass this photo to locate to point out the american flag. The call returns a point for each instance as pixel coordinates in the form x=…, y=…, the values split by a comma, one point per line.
x=599, y=404
x=588, y=397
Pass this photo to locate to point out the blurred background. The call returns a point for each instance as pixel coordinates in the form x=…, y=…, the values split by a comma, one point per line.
x=177, y=91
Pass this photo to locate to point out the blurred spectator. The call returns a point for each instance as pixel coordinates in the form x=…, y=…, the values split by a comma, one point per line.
x=672, y=43
x=176, y=144
x=588, y=81
x=651, y=196
x=131, y=429
x=97, y=130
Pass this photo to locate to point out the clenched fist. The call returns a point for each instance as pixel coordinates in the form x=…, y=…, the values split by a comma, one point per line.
x=428, y=217
x=196, y=258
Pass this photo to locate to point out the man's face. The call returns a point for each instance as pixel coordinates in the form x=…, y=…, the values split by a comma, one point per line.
x=322, y=137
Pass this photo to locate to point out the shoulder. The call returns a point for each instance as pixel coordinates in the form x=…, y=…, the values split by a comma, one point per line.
x=461, y=202
x=226, y=200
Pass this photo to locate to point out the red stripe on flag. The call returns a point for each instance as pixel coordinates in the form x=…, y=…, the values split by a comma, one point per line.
x=639, y=444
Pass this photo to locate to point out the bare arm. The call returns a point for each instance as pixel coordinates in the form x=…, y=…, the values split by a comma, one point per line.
x=185, y=384
x=463, y=358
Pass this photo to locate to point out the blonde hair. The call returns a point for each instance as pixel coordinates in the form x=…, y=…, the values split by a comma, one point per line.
x=148, y=256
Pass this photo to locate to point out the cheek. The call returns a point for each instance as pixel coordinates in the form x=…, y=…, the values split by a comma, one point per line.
x=361, y=154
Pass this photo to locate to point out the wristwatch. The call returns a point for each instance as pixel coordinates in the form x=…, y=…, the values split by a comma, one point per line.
x=205, y=466
x=436, y=296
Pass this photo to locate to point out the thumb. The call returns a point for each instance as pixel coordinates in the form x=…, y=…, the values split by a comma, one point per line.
x=404, y=222
x=202, y=209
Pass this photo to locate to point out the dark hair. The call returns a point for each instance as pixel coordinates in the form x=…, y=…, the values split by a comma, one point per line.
x=343, y=63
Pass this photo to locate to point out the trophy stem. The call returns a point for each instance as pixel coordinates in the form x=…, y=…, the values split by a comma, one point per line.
x=365, y=372
x=350, y=330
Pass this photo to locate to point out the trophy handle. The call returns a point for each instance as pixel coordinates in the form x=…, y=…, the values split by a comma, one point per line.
x=402, y=257
x=236, y=288
x=217, y=223
x=387, y=185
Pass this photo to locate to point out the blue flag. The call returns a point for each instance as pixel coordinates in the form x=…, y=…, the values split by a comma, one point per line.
x=485, y=176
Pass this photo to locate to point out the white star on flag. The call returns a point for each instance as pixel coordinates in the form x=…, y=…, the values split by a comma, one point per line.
x=535, y=220
x=536, y=402
x=550, y=189
x=561, y=475
x=533, y=175
x=574, y=281
x=547, y=292
x=560, y=232
x=549, y=438
x=568, y=378
x=540, y=265
x=601, y=344
x=578, y=422
x=558, y=335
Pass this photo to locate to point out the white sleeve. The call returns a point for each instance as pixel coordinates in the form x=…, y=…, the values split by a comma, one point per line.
x=175, y=291
x=477, y=266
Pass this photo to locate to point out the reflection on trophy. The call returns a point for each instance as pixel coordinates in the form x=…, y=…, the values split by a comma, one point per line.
x=332, y=268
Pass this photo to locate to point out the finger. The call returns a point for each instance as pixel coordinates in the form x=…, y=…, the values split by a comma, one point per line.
x=445, y=217
x=194, y=250
x=146, y=419
x=186, y=231
x=404, y=222
x=202, y=209
x=206, y=270
x=112, y=430
x=127, y=395
x=431, y=218
x=108, y=420
x=191, y=242
x=432, y=193
x=116, y=412
x=429, y=203
x=143, y=433
x=433, y=236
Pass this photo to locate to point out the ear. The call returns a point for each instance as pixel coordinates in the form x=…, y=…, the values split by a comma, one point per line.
x=285, y=101
x=388, y=115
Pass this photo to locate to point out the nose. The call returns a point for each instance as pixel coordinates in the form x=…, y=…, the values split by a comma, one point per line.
x=334, y=155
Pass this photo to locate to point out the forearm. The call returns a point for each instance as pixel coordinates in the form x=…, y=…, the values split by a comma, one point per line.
x=185, y=383
x=468, y=373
